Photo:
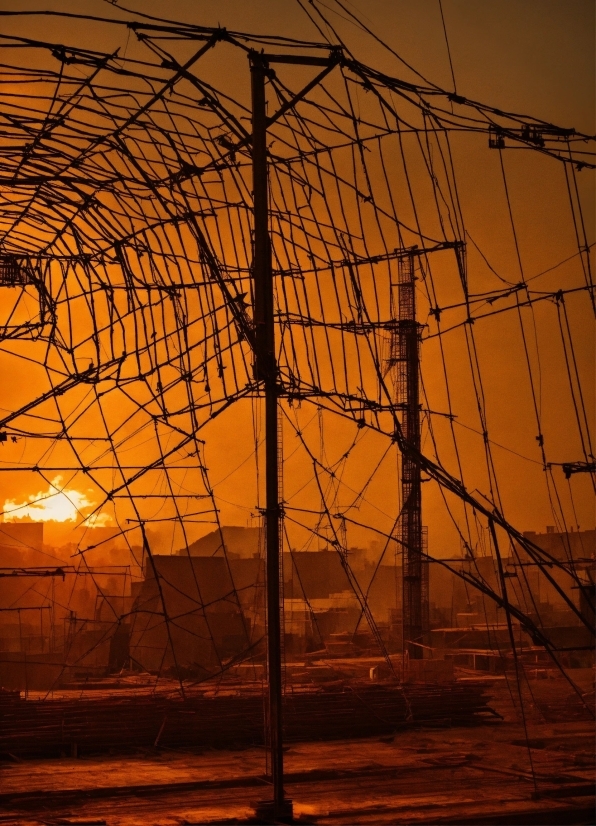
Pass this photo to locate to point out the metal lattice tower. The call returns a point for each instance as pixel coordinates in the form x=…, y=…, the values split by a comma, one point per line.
x=405, y=360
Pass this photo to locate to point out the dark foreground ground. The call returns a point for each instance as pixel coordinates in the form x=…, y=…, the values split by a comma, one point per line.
x=476, y=775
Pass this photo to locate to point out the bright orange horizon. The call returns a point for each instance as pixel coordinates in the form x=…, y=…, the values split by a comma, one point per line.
x=489, y=50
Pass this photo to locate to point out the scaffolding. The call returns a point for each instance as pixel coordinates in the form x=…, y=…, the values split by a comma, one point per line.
x=405, y=361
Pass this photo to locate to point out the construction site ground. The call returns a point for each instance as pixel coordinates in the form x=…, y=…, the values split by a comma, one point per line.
x=491, y=773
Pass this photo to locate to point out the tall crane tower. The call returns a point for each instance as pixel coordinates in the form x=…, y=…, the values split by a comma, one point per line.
x=405, y=361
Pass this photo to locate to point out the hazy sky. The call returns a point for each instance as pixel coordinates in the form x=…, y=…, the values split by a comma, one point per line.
x=534, y=57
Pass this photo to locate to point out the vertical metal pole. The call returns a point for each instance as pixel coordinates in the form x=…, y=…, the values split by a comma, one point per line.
x=266, y=372
x=415, y=569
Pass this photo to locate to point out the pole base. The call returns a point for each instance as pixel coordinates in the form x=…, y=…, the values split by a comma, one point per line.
x=270, y=812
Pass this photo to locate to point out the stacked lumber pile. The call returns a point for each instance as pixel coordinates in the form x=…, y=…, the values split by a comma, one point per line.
x=130, y=721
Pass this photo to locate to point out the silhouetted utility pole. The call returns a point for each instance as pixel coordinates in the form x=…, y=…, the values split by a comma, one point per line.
x=266, y=372
x=405, y=358
x=280, y=808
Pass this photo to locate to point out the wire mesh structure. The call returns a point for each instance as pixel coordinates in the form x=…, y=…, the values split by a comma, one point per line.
x=126, y=269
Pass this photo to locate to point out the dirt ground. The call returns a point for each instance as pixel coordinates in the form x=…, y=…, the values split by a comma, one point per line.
x=486, y=774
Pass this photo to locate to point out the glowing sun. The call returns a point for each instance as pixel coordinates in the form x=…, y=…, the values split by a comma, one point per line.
x=57, y=504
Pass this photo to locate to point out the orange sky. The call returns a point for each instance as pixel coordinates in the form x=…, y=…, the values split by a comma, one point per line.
x=531, y=57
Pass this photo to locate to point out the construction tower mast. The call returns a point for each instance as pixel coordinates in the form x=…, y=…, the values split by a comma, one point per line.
x=405, y=359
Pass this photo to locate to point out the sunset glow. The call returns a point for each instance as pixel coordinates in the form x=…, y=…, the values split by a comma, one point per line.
x=57, y=503
x=297, y=447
